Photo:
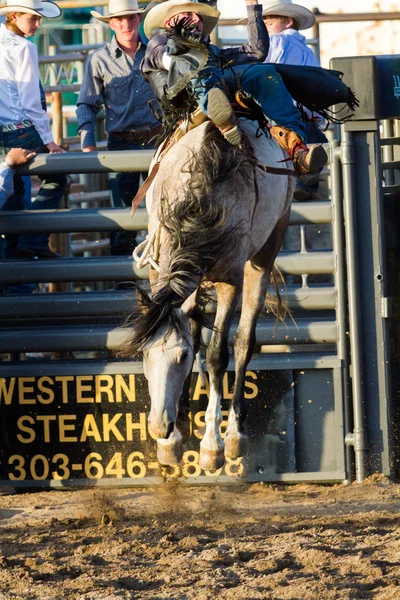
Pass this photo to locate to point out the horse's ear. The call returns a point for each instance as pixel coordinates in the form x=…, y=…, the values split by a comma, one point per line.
x=190, y=304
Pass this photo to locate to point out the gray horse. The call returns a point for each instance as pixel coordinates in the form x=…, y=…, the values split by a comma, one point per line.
x=218, y=221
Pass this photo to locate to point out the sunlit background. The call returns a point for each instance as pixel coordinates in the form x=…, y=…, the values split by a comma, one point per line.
x=340, y=39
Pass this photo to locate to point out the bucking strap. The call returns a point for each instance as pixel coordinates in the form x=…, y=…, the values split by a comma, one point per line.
x=144, y=188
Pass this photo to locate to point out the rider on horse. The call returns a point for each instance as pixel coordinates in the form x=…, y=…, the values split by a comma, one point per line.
x=179, y=53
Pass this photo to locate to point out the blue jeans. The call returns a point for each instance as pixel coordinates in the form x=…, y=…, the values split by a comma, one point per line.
x=49, y=196
x=123, y=188
x=263, y=84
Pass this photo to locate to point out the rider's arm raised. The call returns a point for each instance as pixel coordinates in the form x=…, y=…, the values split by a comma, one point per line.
x=257, y=47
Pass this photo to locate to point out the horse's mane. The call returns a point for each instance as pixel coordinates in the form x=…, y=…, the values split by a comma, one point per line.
x=200, y=237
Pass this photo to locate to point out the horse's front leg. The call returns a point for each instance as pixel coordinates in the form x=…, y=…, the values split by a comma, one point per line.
x=254, y=291
x=183, y=420
x=256, y=278
x=211, y=446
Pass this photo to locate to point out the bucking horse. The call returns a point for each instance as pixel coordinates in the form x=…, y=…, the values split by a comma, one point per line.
x=217, y=219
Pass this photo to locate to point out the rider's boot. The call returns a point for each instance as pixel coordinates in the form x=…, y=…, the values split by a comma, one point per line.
x=221, y=114
x=305, y=160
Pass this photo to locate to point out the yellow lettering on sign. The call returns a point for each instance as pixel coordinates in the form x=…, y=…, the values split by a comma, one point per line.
x=23, y=389
x=80, y=388
x=109, y=426
x=131, y=427
x=199, y=390
x=46, y=425
x=90, y=429
x=64, y=386
x=64, y=427
x=104, y=385
x=5, y=391
x=48, y=391
x=250, y=385
x=25, y=429
x=129, y=390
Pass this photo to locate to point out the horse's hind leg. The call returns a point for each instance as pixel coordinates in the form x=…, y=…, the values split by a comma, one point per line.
x=256, y=279
x=211, y=446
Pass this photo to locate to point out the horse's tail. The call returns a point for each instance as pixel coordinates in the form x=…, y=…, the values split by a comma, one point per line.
x=274, y=302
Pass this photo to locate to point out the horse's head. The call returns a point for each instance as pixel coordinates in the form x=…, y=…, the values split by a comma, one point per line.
x=167, y=361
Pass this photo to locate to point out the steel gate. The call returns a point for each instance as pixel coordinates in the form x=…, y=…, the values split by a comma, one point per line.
x=82, y=421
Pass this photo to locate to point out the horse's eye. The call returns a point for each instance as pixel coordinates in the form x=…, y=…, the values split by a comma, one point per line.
x=184, y=355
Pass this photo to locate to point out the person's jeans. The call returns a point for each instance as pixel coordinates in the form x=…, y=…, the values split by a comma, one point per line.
x=123, y=188
x=263, y=84
x=49, y=196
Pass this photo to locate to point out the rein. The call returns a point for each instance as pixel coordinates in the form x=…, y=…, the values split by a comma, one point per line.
x=276, y=170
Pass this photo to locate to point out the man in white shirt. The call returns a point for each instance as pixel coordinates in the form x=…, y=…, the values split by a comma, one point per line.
x=283, y=21
x=14, y=158
x=23, y=119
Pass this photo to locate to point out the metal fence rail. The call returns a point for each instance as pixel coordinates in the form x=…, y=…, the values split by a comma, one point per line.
x=101, y=337
x=115, y=303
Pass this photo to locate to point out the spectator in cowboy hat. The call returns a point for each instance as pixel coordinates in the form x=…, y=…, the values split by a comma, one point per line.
x=23, y=119
x=283, y=21
x=113, y=79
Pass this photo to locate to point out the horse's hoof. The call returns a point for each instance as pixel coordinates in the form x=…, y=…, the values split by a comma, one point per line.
x=236, y=446
x=169, y=454
x=211, y=460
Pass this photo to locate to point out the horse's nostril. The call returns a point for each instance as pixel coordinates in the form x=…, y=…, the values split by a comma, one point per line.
x=170, y=429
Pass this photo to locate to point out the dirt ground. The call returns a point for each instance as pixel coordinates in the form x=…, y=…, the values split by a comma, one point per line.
x=180, y=542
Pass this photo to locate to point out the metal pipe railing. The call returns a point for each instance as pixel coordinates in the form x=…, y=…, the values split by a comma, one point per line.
x=61, y=58
x=357, y=438
x=71, y=220
x=111, y=268
x=328, y=18
x=101, y=337
x=67, y=48
x=340, y=285
x=118, y=303
x=114, y=219
x=117, y=161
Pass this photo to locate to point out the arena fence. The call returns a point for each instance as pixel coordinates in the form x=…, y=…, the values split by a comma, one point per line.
x=320, y=389
x=292, y=443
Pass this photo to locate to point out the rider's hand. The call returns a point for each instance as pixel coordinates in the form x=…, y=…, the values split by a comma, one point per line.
x=89, y=149
x=251, y=2
x=55, y=149
x=18, y=156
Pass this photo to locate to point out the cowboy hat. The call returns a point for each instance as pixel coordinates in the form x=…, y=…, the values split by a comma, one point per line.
x=119, y=8
x=41, y=8
x=166, y=10
x=285, y=8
